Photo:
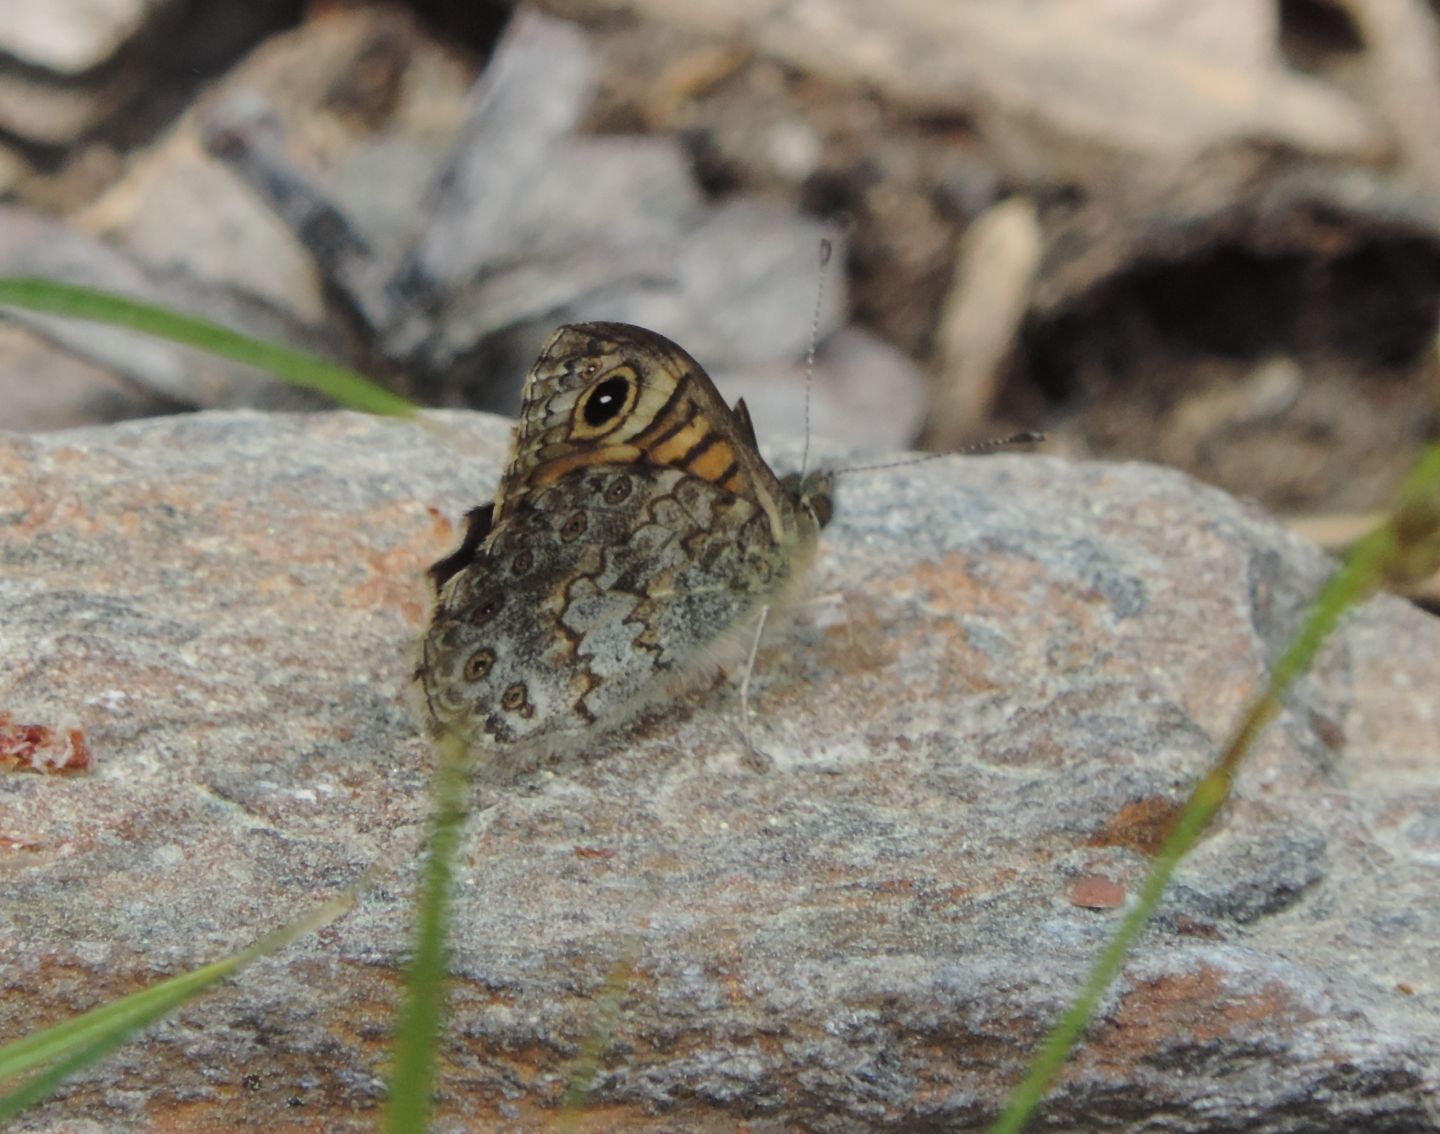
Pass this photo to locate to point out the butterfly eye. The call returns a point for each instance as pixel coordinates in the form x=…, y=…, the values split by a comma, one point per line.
x=822, y=505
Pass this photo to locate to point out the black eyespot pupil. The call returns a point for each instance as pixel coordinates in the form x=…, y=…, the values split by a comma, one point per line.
x=605, y=401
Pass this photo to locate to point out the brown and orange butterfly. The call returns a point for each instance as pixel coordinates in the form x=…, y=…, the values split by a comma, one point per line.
x=636, y=536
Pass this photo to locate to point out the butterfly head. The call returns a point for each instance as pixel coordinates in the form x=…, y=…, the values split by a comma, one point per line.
x=814, y=495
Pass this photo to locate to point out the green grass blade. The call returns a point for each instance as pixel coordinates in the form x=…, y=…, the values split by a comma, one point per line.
x=602, y=1027
x=344, y=386
x=412, y=1081
x=1409, y=543
x=80, y=1042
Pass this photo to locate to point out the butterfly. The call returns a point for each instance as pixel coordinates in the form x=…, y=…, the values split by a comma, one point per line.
x=636, y=537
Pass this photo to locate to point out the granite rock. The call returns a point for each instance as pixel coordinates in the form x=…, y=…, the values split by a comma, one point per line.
x=71, y=36
x=1136, y=83
x=1010, y=673
x=156, y=373
x=44, y=386
x=57, y=77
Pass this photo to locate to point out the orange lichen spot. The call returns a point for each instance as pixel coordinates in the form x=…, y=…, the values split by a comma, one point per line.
x=1142, y=825
x=41, y=748
x=1187, y=926
x=444, y=529
x=1201, y=1005
x=1096, y=892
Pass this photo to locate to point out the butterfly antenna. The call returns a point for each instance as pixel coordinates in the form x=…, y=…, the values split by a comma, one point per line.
x=1015, y=440
x=978, y=448
x=826, y=249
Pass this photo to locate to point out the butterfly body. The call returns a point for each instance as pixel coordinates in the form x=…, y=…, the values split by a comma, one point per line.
x=635, y=535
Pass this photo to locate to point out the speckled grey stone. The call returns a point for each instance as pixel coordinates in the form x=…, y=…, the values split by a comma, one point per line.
x=1012, y=669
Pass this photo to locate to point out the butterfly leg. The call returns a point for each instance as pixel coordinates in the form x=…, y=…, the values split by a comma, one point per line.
x=757, y=760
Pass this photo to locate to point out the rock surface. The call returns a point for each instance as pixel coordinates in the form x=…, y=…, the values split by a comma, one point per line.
x=1012, y=671
x=154, y=371
x=382, y=207
x=44, y=386
x=71, y=36
x=1133, y=82
x=52, y=52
